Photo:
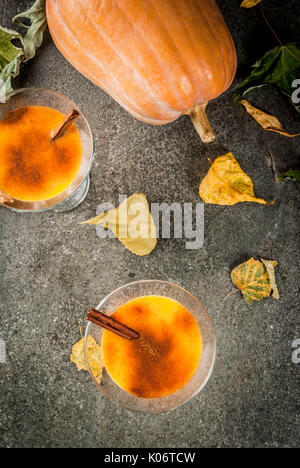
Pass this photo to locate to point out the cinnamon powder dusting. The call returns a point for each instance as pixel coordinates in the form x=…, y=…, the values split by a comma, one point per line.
x=148, y=347
x=22, y=171
x=31, y=167
x=14, y=116
x=165, y=356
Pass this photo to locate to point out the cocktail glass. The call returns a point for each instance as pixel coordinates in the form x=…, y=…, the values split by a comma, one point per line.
x=204, y=370
x=77, y=191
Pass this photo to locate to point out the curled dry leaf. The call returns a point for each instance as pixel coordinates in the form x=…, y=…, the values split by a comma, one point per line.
x=250, y=3
x=227, y=184
x=35, y=32
x=270, y=267
x=266, y=121
x=255, y=279
x=94, y=357
x=131, y=223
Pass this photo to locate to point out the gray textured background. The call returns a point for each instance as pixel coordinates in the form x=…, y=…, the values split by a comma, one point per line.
x=52, y=270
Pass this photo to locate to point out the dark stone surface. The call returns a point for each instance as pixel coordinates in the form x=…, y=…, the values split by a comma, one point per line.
x=51, y=269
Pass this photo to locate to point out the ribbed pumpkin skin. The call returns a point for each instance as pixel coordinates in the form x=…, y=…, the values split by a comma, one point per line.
x=156, y=58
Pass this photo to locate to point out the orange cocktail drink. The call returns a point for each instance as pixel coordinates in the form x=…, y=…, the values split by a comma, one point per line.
x=166, y=355
x=32, y=168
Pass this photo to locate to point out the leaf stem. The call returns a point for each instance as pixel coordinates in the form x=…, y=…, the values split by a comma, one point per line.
x=80, y=329
x=269, y=25
x=230, y=294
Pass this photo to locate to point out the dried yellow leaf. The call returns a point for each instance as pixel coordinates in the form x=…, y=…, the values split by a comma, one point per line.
x=266, y=121
x=227, y=184
x=253, y=280
x=250, y=3
x=270, y=267
x=77, y=356
x=132, y=224
x=94, y=355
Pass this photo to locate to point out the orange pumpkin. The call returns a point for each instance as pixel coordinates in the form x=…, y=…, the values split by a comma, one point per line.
x=158, y=59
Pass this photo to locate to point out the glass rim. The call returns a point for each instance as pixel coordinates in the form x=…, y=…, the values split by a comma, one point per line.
x=45, y=205
x=213, y=336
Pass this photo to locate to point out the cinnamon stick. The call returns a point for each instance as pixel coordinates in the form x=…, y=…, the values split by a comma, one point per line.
x=64, y=126
x=109, y=323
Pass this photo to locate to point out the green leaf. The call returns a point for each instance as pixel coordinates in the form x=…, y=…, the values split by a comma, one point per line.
x=10, y=59
x=12, y=56
x=279, y=67
x=10, y=71
x=35, y=33
x=292, y=174
x=8, y=51
x=253, y=280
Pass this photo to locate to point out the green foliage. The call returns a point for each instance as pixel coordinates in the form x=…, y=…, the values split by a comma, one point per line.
x=12, y=56
x=279, y=67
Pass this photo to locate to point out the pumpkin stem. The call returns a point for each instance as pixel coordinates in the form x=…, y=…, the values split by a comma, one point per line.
x=201, y=123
